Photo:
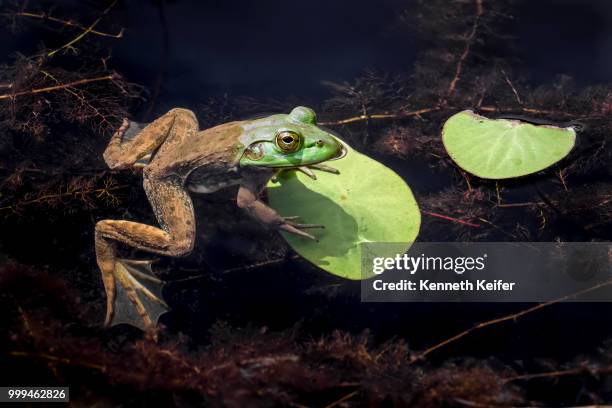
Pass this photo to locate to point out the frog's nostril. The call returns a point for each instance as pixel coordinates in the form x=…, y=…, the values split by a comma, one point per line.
x=319, y=143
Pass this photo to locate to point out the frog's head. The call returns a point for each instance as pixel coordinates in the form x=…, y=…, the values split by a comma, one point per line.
x=286, y=141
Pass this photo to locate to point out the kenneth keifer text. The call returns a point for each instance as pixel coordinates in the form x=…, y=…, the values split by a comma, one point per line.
x=426, y=285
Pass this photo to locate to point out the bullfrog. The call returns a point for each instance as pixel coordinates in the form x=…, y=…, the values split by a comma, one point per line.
x=177, y=159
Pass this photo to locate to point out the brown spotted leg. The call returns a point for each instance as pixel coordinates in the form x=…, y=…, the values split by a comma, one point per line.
x=248, y=200
x=121, y=154
x=133, y=292
x=174, y=211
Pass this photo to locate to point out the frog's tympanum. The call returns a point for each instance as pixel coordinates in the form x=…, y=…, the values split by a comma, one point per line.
x=176, y=158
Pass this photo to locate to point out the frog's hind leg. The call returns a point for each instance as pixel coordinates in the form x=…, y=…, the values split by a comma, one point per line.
x=133, y=292
x=134, y=144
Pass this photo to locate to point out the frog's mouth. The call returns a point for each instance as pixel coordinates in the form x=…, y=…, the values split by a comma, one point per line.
x=343, y=151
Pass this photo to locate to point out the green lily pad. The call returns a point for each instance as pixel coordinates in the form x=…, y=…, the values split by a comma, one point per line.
x=366, y=202
x=504, y=148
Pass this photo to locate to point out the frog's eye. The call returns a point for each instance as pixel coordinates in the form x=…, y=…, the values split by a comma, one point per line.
x=288, y=141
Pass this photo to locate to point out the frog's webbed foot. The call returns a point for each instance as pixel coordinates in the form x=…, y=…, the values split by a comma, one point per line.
x=307, y=170
x=289, y=225
x=138, y=299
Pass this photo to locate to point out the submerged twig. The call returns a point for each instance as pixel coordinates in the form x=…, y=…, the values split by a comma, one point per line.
x=498, y=320
x=67, y=23
x=242, y=268
x=513, y=205
x=404, y=115
x=397, y=115
x=341, y=400
x=511, y=85
x=466, y=52
x=60, y=360
x=84, y=33
x=59, y=86
x=82, y=99
x=561, y=373
x=503, y=231
x=448, y=218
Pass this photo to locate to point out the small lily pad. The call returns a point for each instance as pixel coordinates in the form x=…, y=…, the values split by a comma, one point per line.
x=366, y=202
x=504, y=148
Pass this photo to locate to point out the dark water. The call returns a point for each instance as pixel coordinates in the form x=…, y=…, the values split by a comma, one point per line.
x=279, y=49
x=273, y=49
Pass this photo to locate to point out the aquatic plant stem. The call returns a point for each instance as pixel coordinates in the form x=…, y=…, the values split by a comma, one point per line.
x=397, y=115
x=498, y=228
x=59, y=86
x=585, y=369
x=513, y=205
x=448, y=218
x=466, y=52
x=242, y=268
x=60, y=360
x=498, y=320
x=82, y=99
x=341, y=400
x=67, y=23
x=419, y=112
x=511, y=85
x=84, y=33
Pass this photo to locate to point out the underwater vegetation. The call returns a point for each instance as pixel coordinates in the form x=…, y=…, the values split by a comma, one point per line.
x=240, y=367
x=251, y=323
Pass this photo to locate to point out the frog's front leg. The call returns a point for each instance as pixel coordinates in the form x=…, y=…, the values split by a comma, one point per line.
x=130, y=287
x=307, y=170
x=248, y=200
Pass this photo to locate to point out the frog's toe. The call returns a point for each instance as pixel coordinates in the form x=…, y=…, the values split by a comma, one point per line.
x=289, y=225
x=110, y=309
x=306, y=170
x=303, y=226
x=138, y=299
x=325, y=168
x=296, y=231
x=276, y=175
x=291, y=221
x=125, y=124
x=308, y=225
